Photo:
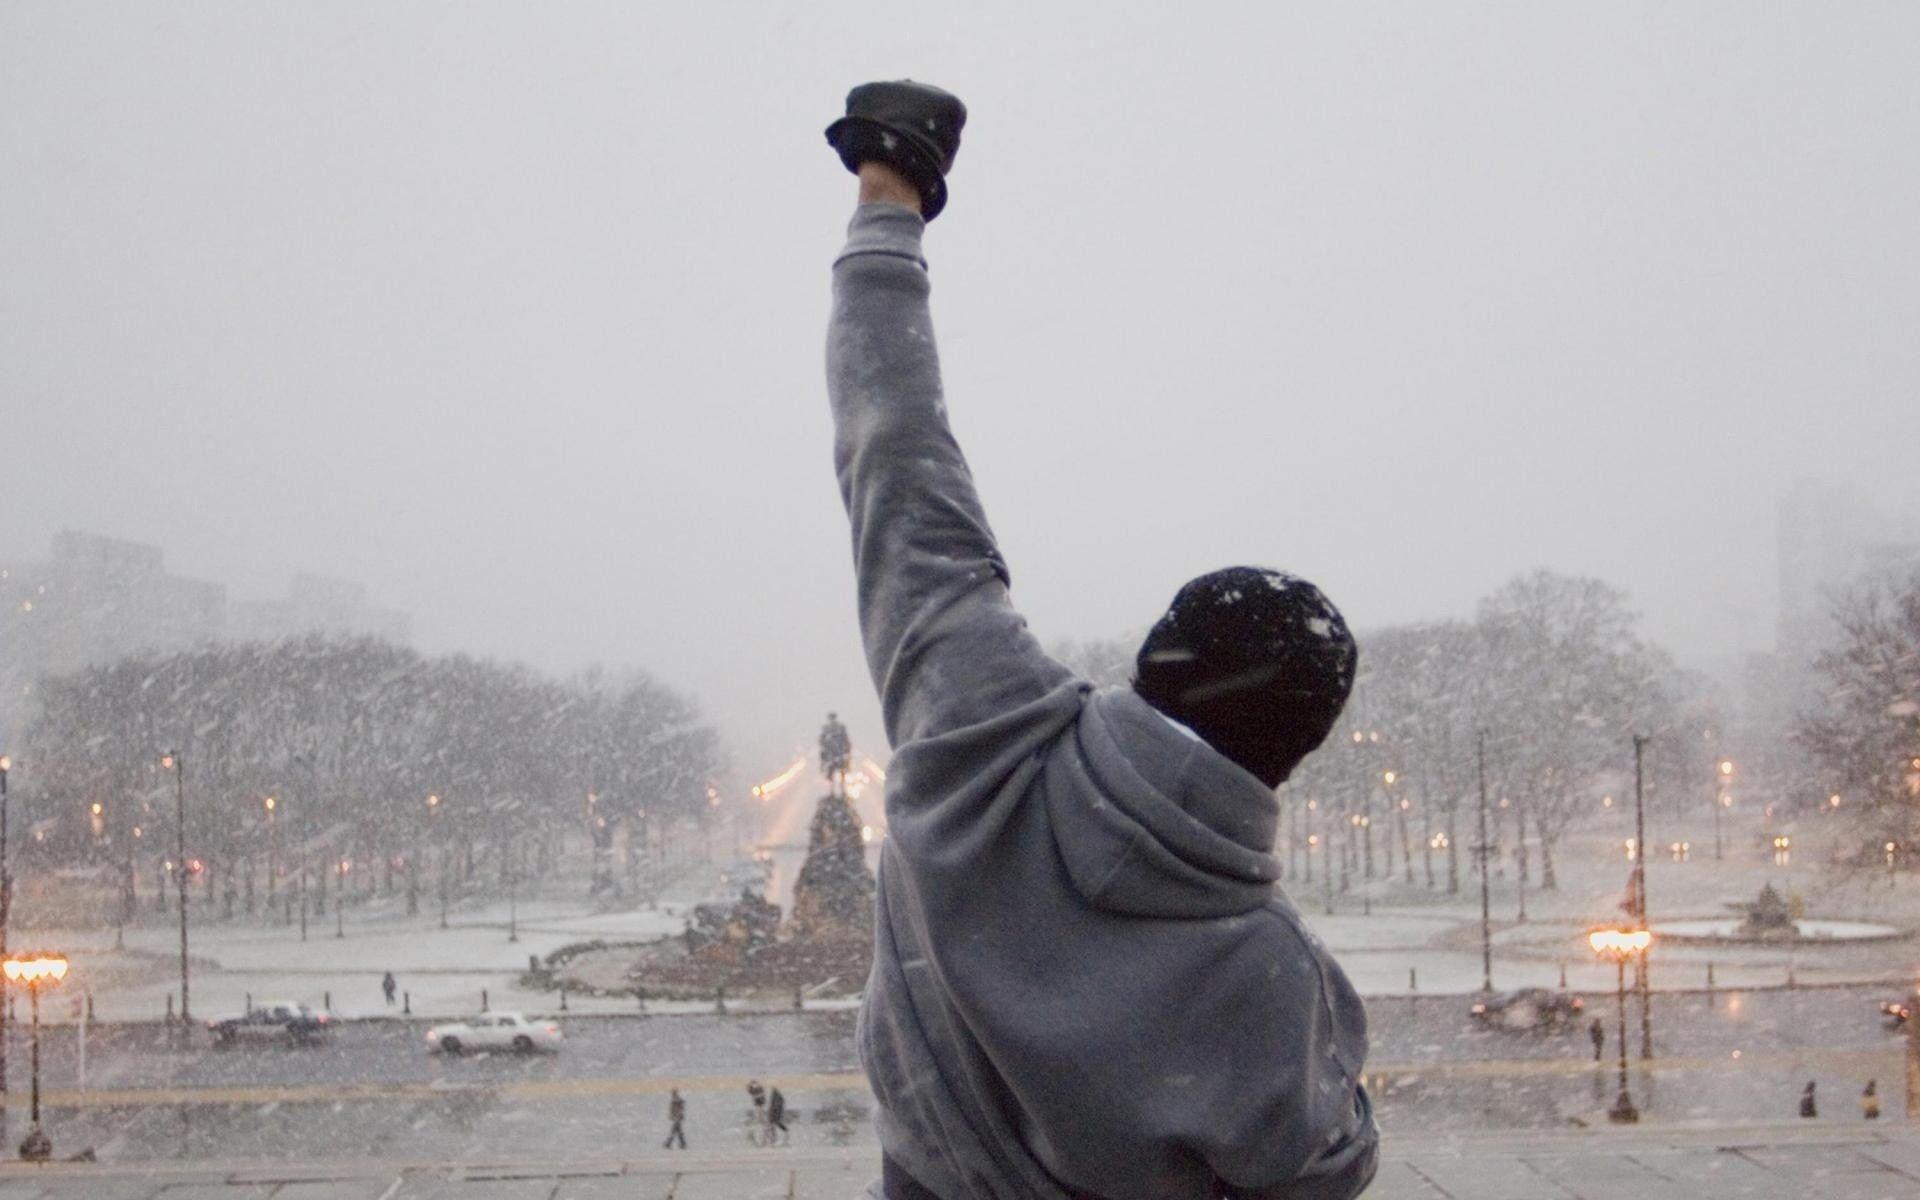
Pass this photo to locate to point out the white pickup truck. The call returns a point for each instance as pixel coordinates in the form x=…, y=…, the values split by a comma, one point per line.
x=494, y=1031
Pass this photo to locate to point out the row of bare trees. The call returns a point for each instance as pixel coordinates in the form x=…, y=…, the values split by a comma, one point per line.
x=1862, y=732
x=327, y=752
x=1551, y=677
x=1551, y=670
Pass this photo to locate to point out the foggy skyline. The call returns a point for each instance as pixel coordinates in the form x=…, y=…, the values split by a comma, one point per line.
x=516, y=318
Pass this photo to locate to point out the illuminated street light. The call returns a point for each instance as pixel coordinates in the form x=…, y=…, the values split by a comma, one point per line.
x=269, y=804
x=1722, y=800
x=1620, y=945
x=6, y=907
x=433, y=812
x=173, y=761
x=340, y=897
x=33, y=973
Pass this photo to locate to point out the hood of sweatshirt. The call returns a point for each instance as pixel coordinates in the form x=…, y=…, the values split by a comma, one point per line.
x=1151, y=821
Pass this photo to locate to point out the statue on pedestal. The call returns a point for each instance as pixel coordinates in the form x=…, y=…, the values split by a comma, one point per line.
x=836, y=752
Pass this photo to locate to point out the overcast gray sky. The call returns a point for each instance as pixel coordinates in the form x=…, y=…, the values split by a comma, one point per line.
x=514, y=312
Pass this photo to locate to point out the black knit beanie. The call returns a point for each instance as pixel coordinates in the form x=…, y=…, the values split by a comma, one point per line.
x=1258, y=663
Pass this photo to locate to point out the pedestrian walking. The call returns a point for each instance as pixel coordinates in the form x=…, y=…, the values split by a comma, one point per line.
x=1598, y=1033
x=777, y=1130
x=1870, y=1101
x=676, y=1118
x=389, y=985
x=1128, y=830
x=1807, y=1106
x=757, y=1120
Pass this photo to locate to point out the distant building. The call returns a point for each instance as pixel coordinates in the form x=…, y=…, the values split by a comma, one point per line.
x=1829, y=541
x=315, y=604
x=97, y=599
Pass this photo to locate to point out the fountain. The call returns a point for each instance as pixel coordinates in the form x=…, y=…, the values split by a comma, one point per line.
x=1773, y=920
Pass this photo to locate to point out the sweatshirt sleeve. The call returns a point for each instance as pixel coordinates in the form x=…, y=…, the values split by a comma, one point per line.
x=943, y=643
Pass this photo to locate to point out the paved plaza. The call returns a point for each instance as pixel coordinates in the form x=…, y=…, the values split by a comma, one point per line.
x=1759, y=1162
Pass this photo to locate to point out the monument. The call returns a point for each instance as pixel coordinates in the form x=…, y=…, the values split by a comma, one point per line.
x=742, y=948
x=833, y=896
x=836, y=752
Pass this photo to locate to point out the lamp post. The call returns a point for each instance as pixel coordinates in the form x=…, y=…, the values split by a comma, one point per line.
x=174, y=761
x=1366, y=833
x=303, y=832
x=1318, y=838
x=340, y=869
x=273, y=850
x=1482, y=852
x=1643, y=975
x=6, y=911
x=1722, y=778
x=1620, y=945
x=34, y=973
x=433, y=813
x=1520, y=857
x=513, y=902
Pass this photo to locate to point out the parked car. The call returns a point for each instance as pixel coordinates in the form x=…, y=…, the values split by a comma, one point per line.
x=279, y=1020
x=1529, y=1009
x=1896, y=1012
x=494, y=1031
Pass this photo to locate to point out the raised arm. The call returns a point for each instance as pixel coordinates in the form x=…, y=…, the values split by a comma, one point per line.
x=943, y=642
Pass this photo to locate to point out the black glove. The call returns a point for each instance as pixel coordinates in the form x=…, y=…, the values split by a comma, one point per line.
x=912, y=127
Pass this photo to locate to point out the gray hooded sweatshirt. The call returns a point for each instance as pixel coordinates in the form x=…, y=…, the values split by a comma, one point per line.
x=1086, y=981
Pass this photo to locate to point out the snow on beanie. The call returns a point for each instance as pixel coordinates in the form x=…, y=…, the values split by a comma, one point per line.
x=1258, y=663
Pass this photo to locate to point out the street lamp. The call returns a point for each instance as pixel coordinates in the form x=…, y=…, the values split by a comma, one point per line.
x=433, y=812
x=1620, y=945
x=508, y=848
x=174, y=761
x=1723, y=778
x=6, y=911
x=34, y=973
x=340, y=896
x=1643, y=975
x=1482, y=851
x=273, y=850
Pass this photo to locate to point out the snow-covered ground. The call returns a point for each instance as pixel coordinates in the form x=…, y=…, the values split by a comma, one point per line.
x=1413, y=938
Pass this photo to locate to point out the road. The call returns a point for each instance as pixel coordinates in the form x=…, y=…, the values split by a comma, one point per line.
x=374, y=1090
